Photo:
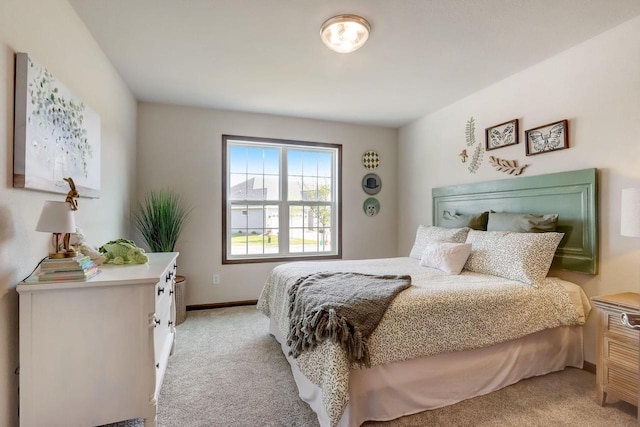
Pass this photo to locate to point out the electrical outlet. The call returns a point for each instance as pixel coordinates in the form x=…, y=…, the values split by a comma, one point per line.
x=216, y=279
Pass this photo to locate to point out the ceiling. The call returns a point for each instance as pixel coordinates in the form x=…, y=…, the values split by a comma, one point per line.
x=266, y=56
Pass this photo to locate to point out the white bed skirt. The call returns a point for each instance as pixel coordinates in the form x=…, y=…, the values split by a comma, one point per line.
x=390, y=391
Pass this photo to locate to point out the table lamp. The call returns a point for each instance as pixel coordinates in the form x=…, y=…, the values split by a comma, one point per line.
x=58, y=218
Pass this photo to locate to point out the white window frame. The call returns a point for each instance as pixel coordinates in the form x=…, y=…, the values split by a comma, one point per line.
x=283, y=203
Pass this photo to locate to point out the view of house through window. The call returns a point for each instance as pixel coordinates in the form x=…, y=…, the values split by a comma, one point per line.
x=281, y=199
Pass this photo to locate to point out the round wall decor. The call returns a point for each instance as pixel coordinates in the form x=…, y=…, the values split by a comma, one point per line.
x=370, y=159
x=371, y=206
x=371, y=183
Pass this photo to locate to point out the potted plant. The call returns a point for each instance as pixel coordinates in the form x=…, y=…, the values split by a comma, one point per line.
x=160, y=219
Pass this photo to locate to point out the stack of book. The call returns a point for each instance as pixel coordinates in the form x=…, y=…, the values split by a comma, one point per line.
x=67, y=269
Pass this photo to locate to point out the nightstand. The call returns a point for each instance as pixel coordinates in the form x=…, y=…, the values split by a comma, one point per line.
x=617, y=348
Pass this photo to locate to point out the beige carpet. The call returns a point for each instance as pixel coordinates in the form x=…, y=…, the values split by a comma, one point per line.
x=228, y=371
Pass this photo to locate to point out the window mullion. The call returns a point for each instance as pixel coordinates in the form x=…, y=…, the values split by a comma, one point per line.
x=283, y=236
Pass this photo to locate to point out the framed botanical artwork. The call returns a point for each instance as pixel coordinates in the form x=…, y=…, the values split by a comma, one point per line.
x=56, y=135
x=551, y=137
x=501, y=135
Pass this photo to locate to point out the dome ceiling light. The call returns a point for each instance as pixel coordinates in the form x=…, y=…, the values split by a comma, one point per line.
x=345, y=33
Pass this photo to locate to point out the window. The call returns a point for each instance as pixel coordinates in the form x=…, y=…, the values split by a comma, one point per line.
x=281, y=200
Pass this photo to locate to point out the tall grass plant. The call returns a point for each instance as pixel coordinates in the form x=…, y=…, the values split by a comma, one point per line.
x=160, y=219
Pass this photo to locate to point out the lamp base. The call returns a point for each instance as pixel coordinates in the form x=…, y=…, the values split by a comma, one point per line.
x=67, y=254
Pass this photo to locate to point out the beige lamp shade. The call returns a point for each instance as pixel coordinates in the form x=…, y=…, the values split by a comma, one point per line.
x=56, y=217
x=630, y=216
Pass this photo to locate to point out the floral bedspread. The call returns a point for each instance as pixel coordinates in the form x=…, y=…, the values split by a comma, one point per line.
x=439, y=313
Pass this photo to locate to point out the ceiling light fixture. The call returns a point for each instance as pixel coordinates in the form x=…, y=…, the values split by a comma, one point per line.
x=345, y=33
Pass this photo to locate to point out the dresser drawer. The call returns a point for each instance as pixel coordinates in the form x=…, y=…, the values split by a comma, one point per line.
x=164, y=288
x=622, y=381
x=164, y=294
x=614, y=326
x=162, y=328
x=621, y=353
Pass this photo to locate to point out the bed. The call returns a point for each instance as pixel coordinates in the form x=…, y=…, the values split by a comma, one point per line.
x=450, y=337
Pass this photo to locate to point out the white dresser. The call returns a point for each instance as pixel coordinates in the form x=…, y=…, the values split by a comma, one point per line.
x=95, y=352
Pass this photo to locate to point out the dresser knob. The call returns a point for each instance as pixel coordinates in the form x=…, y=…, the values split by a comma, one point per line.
x=160, y=291
x=171, y=292
x=156, y=322
x=170, y=323
x=157, y=366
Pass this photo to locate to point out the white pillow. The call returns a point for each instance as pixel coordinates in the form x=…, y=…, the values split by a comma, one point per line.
x=525, y=257
x=428, y=234
x=446, y=256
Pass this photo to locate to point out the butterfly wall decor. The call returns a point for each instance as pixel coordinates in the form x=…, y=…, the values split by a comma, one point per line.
x=501, y=135
x=550, y=137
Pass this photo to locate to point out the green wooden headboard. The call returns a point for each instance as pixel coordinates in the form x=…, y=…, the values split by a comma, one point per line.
x=572, y=195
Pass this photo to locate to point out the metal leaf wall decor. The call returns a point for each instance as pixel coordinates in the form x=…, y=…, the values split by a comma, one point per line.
x=470, y=137
x=508, y=166
x=476, y=160
x=470, y=132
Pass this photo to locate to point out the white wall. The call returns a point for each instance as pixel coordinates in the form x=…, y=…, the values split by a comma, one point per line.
x=52, y=33
x=180, y=148
x=596, y=86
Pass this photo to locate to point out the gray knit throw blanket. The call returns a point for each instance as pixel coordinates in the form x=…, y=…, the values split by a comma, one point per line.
x=343, y=307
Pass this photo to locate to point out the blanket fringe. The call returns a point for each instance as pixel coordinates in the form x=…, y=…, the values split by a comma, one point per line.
x=328, y=325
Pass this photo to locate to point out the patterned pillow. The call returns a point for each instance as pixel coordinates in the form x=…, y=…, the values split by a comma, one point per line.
x=446, y=256
x=427, y=234
x=525, y=257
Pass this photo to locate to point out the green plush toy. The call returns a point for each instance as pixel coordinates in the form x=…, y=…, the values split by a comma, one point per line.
x=122, y=251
